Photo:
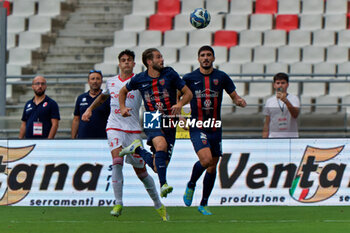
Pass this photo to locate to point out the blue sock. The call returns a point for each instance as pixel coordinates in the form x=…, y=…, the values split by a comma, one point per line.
x=146, y=156
x=208, y=185
x=197, y=171
x=161, y=166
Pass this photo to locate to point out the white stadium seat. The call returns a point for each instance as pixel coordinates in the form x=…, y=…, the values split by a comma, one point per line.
x=150, y=38
x=240, y=55
x=236, y=22
x=134, y=23
x=264, y=54
x=336, y=7
x=187, y=6
x=275, y=38
x=174, y=38
x=288, y=54
x=261, y=22
x=299, y=38
x=241, y=7
x=288, y=6
x=125, y=39
x=249, y=38
x=313, y=6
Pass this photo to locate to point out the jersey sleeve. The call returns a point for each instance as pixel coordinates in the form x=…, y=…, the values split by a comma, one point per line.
x=229, y=86
x=24, y=115
x=132, y=84
x=179, y=83
x=266, y=110
x=55, y=112
x=294, y=100
x=106, y=91
x=77, y=109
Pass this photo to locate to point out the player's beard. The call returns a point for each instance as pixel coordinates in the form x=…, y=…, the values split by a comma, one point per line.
x=158, y=68
x=206, y=64
x=39, y=93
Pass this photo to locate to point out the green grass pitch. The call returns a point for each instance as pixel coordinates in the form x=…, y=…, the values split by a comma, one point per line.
x=269, y=219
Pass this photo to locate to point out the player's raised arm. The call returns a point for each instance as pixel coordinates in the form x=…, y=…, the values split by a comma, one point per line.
x=122, y=97
x=186, y=98
x=98, y=101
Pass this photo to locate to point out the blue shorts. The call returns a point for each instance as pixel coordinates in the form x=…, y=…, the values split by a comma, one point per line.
x=168, y=134
x=201, y=139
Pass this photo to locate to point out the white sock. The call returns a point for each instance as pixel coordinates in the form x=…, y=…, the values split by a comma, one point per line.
x=117, y=183
x=150, y=186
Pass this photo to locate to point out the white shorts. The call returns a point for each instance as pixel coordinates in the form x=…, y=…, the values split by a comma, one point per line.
x=117, y=139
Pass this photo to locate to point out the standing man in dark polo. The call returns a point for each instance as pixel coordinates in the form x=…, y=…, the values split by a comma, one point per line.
x=96, y=127
x=41, y=114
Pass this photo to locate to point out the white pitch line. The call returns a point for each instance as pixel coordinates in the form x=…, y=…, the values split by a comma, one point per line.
x=191, y=221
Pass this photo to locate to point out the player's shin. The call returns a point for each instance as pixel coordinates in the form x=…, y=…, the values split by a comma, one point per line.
x=160, y=161
x=118, y=179
x=208, y=185
x=150, y=187
x=197, y=171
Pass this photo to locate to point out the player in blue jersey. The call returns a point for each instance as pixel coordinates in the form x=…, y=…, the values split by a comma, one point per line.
x=207, y=85
x=158, y=86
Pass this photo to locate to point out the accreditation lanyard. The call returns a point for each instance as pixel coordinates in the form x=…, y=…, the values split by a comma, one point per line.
x=282, y=120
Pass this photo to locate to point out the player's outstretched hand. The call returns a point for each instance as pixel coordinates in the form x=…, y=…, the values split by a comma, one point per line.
x=87, y=114
x=125, y=112
x=176, y=109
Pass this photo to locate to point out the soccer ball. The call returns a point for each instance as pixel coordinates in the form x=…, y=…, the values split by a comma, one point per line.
x=200, y=18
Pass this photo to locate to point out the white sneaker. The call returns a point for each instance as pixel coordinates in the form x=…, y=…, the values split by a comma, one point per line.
x=131, y=148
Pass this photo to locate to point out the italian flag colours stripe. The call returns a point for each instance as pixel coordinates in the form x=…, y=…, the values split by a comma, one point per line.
x=296, y=192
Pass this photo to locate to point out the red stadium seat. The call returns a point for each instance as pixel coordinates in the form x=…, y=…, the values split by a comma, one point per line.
x=287, y=22
x=266, y=6
x=160, y=22
x=168, y=7
x=6, y=5
x=225, y=38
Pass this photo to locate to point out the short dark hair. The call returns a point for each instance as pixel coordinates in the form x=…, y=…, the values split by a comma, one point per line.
x=95, y=71
x=148, y=55
x=206, y=48
x=281, y=76
x=128, y=53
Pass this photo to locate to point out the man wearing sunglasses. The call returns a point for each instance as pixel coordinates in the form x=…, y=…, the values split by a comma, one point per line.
x=41, y=114
x=95, y=128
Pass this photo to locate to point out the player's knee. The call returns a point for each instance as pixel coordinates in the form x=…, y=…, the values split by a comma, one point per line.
x=118, y=160
x=161, y=147
x=205, y=162
x=142, y=175
x=211, y=169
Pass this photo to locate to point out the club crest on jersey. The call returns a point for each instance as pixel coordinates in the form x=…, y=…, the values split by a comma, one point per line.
x=207, y=103
x=215, y=81
x=159, y=105
x=113, y=84
x=162, y=82
x=44, y=104
x=203, y=137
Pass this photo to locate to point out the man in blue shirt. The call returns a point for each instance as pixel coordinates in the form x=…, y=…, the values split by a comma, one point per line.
x=158, y=86
x=96, y=127
x=41, y=114
x=207, y=85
